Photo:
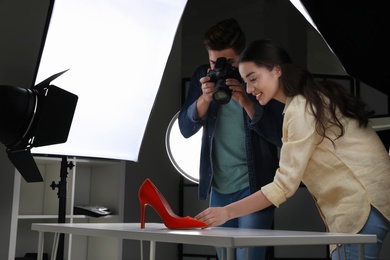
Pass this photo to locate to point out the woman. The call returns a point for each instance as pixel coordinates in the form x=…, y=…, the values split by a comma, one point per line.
x=328, y=144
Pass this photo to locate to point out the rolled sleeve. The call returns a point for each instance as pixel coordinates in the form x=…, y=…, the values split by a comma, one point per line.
x=274, y=193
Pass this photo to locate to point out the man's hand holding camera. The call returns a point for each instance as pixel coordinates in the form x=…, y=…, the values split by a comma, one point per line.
x=221, y=84
x=239, y=94
x=207, y=88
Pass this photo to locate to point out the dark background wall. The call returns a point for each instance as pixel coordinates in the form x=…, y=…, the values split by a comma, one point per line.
x=21, y=28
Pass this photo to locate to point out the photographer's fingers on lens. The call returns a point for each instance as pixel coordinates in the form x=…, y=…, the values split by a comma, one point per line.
x=233, y=82
x=234, y=88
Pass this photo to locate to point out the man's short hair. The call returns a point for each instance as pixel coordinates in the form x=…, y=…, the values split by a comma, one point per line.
x=224, y=35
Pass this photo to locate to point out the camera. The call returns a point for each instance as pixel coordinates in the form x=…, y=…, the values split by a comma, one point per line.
x=222, y=71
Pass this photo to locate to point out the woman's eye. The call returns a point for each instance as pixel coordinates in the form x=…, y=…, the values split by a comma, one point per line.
x=252, y=79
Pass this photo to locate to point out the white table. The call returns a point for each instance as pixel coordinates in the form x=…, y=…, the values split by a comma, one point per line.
x=228, y=238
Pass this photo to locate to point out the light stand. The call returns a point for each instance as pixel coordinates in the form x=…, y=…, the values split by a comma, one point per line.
x=62, y=195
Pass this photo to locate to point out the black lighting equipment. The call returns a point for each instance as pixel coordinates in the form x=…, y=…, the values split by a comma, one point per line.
x=34, y=117
x=356, y=32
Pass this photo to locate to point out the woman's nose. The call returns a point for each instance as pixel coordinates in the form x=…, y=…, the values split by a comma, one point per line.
x=249, y=89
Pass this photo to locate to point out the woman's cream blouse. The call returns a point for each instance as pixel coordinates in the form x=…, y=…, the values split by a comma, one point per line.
x=344, y=179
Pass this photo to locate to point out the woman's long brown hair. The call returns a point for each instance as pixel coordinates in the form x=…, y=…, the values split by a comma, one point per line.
x=328, y=100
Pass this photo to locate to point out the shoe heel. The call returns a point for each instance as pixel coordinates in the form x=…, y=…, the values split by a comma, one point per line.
x=142, y=214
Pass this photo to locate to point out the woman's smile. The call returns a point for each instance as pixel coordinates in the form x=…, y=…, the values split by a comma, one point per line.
x=258, y=96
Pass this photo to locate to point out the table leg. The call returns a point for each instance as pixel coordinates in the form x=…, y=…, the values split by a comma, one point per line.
x=152, y=250
x=141, y=243
x=230, y=253
x=40, y=246
x=361, y=251
x=55, y=246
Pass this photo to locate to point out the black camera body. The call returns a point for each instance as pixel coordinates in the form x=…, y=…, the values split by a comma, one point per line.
x=222, y=71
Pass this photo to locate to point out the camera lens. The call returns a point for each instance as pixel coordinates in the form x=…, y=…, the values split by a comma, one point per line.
x=222, y=94
x=221, y=97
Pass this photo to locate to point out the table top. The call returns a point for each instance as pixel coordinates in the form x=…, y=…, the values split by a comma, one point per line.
x=215, y=236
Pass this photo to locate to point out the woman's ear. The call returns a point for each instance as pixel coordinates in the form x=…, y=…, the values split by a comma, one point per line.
x=277, y=70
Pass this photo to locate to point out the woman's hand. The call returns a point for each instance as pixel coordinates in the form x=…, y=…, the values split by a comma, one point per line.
x=213, y=216
x=216, y=216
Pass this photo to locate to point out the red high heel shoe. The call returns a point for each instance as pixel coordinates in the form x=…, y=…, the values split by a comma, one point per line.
x=148, y=194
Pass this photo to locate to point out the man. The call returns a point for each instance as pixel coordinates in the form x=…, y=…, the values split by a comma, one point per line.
x=235, y=159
